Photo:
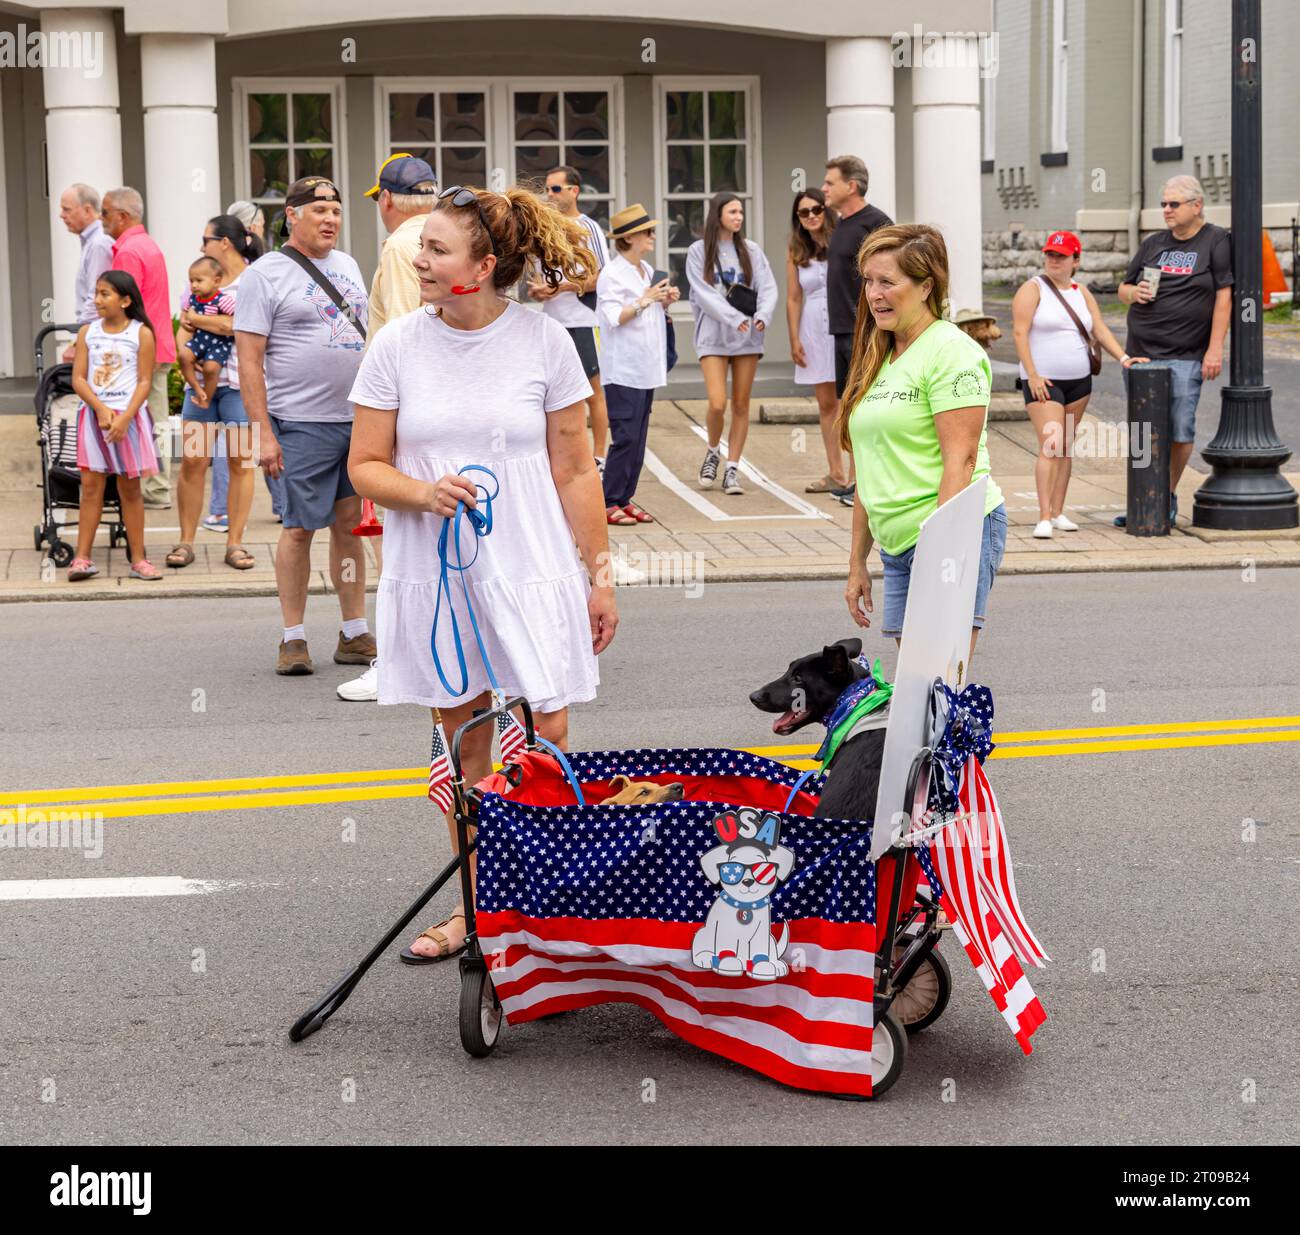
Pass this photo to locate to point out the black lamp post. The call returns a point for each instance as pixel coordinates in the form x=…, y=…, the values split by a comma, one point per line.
x=1247, y=489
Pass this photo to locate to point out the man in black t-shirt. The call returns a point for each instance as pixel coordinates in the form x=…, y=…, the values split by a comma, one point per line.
x=845, y=188
x=1179, y=319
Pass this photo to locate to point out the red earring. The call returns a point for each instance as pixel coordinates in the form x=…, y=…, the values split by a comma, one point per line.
x=459, y=289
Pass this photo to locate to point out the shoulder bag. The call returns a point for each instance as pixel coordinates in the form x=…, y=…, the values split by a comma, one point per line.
x=301, y=259
x=1094, y=348
x=739, y=296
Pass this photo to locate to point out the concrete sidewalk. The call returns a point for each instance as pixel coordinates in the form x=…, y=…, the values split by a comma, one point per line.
x=773, y=531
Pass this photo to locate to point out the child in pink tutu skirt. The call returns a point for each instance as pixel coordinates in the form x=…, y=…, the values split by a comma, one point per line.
x=111, y=372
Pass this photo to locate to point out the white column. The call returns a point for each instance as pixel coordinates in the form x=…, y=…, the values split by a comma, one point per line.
x=83, y=133
x=946, y=159
x=178, y=77
x=860, y=112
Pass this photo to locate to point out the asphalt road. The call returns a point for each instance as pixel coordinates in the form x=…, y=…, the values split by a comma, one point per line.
x=164, y=1019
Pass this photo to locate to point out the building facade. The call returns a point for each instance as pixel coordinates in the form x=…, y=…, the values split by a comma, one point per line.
x=1098, y=102
x=199, y=102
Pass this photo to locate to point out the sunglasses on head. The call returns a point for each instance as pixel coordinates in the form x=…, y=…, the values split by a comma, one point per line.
x=811, y=212
x=461, y=196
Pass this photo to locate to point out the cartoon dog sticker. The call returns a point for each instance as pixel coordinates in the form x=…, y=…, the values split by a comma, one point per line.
x=747, y=866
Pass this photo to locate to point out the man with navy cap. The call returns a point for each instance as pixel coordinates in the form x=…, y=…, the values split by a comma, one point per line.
x=405, y=191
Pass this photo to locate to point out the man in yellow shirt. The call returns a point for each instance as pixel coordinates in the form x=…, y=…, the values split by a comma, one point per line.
x=405, y=191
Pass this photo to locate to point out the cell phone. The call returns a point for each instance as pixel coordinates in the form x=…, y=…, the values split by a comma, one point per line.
x=658, y=276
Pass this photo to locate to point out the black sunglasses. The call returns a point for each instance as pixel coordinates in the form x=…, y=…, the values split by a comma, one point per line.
x=1173, y=205
x=210, y=239
x=811, y=212
x=465, y=197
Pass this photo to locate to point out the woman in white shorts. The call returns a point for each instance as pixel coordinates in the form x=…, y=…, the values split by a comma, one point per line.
x=474, y=378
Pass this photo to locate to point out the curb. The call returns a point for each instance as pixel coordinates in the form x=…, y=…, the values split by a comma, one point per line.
x=1132, y=563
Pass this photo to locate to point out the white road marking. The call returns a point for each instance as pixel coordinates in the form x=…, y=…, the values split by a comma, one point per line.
x=806, y=509
x=79, y=889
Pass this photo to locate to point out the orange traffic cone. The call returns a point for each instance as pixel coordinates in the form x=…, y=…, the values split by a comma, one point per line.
x=369, y=525
x=1274, y=279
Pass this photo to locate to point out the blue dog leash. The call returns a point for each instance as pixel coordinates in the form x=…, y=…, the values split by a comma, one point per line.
x=480, y=521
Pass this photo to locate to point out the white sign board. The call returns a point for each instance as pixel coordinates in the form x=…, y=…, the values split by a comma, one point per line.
x=936, y=643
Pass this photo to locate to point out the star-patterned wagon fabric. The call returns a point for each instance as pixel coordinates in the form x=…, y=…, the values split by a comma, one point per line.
x=746, y=928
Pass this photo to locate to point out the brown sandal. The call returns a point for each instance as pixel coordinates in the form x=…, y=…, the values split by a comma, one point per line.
x=182, y=555
x=240, y=558
x=444, y=946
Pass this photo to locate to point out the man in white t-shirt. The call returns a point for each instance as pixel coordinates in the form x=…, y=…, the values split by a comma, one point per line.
x=574, y=306
x=298, y=356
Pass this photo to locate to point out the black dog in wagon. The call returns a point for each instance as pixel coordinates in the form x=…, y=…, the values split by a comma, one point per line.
x=807, y=693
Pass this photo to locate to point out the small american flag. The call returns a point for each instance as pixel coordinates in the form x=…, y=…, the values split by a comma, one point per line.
x=583, y=905
x=512, y=735
x=440, y=791
x=968, y=864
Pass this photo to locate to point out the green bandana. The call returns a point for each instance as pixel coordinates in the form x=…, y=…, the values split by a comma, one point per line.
x=876, y=697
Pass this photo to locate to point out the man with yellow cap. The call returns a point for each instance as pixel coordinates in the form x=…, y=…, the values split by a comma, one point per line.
x=405, y=191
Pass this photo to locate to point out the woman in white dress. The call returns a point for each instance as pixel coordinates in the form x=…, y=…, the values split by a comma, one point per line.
x=725, y=336
x=474, y=378
x=811, y=345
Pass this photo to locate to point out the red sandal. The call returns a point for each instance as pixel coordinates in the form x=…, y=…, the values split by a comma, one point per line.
x=618, y=516
x=637, y=513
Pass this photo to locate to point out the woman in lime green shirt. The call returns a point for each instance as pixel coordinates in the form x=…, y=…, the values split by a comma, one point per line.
x=913, y=414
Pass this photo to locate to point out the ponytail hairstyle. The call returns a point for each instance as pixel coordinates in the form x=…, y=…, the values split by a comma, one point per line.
x=712, y=228
x=124, y=285
x=921, y=254
x=524, y=229
x=244, y=242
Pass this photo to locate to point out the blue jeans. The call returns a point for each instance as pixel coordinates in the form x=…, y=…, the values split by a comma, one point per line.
x=898, y=574
x=1184, y=394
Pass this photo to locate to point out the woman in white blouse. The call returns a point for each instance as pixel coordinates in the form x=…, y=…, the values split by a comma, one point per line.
x=724, y=335
x=633, y=355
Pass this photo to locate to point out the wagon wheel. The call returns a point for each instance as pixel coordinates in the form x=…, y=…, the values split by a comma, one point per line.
x=888, y=1053
x=480, y=1012
x=922, y=1001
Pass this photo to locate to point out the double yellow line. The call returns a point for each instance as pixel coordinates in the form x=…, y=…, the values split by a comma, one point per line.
x=310, y=789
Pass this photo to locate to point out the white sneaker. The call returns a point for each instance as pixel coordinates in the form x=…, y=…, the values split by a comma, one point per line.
x=731, y=479
x=364, y=689
x=623, y=572
x=600, y=465
x=1062, y=524
x=1043, y=530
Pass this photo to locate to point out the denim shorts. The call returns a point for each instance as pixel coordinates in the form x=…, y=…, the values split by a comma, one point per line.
x=226, y=408
x=898, y=574
x=315, y=469
x=1184, y=393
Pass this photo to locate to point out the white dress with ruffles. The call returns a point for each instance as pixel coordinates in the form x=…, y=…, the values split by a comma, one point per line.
x=481, y=396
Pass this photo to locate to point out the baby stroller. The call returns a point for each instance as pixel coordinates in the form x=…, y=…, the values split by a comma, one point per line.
x=56, y=428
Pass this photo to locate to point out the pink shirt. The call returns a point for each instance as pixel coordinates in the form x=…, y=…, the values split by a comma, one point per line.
x=136, y=253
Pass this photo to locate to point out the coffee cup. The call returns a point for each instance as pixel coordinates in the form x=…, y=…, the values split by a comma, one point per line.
x=1151, y=276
